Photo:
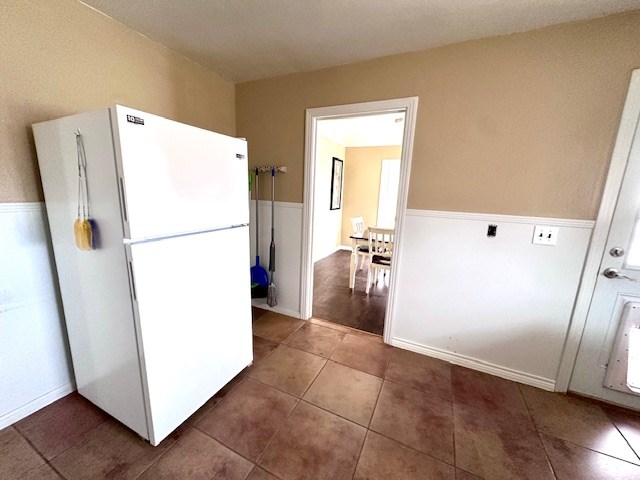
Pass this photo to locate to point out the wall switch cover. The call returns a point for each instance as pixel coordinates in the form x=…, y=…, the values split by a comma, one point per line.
x=545, y=235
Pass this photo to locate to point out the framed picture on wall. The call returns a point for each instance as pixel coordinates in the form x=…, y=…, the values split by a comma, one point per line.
x=336, y=184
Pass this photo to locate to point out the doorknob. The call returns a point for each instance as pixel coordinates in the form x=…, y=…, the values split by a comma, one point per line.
x=613, y=273
x=616, y=252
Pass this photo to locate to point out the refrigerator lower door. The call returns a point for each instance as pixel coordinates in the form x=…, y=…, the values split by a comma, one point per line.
x=193, y=316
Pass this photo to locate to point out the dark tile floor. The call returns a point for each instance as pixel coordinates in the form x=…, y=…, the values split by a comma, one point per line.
x=323, y=401
x=334, y=301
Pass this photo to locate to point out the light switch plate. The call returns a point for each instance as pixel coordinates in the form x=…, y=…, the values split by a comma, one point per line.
x=545, y=235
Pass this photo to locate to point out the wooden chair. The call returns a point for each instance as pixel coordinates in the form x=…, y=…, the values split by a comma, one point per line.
x=358, y=228
x=380, y=252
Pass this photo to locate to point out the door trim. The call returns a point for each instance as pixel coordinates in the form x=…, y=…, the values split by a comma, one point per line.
x=407, y=105
x=615, y=175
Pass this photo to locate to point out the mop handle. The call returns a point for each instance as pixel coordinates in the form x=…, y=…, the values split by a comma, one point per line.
x=257, y=199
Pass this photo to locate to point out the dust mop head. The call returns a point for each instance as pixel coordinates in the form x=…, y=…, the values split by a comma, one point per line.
x=272, y=301
x=87, y=235
x=83, y=234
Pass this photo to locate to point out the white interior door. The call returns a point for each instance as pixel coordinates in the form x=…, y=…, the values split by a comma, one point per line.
x=388, y=193
x=194, y=320
x=177, y=178
x=601, y=365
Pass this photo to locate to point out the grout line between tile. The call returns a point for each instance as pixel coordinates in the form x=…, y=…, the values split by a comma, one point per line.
x=221, y=442
x=537, y=430
x=257, y=462
x=376, y=405
x=364, y=440
x=412, y=448
x=161, y=455
x=592, y=450
x=453, y=431
x=623, y=436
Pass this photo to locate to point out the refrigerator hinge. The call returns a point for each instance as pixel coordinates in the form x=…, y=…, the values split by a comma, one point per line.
x=133, y=282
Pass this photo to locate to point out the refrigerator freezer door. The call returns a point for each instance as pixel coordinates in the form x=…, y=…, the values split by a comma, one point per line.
x=175, y=178
x=194, y=319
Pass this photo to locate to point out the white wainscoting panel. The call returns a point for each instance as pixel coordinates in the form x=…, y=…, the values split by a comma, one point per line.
x=288, y=240
x=35, y=365
x=500, y=305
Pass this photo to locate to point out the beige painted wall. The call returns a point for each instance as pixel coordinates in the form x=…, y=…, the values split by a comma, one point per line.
x=522, y=124
x=59, y=57
x=362, y=184
x=327, y=224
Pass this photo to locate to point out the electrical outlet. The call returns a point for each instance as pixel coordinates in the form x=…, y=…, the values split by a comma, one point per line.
x=545, y=235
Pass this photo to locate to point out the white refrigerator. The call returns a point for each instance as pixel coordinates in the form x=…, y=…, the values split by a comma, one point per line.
x=159, y=314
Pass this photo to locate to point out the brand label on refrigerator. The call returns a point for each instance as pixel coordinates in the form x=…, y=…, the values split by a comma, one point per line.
x=134, y=119
x=239, y=156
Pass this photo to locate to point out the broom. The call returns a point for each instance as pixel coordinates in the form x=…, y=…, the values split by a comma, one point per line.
x=82, y=227
x=271, y=291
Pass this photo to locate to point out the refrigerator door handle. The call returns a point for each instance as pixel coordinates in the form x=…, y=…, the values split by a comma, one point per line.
x=133, y=282
x=123, y=200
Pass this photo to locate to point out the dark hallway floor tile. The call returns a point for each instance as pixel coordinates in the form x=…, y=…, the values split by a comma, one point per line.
x=111, y=450
x=16, y=456
x=572, y=462
x=334, y=301
x=368, y=411
x=369, y=354
x=499, y=445
x=248, y=418
x=347, y=392
x=197, y=456
x=315, y=339
x=383, y=458
x=416, y=419
x=578, y=421
x=329, y=453
x=289, y=369
x=486, y=392
x=275, y=326
x=427, y=374
x=61, y=425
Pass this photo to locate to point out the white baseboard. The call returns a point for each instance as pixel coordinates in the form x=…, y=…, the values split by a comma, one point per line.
x=35, y=405
x=262, y=303
x=475, y=364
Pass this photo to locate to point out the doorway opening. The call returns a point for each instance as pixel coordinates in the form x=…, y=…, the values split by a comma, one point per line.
x=357, y=164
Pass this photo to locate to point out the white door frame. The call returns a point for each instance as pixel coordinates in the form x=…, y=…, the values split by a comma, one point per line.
x=407, y=105
x=619, y=158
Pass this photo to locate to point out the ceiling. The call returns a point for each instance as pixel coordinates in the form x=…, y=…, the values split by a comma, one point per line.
x=251, y=39
x=365, y=131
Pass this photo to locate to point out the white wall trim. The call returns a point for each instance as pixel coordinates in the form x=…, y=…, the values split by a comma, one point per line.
x=35, y=405
x=21, y=207
x=491, y=217
x=619, y=159
x=262, y=303
x=407, y=105
x=475, y=364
